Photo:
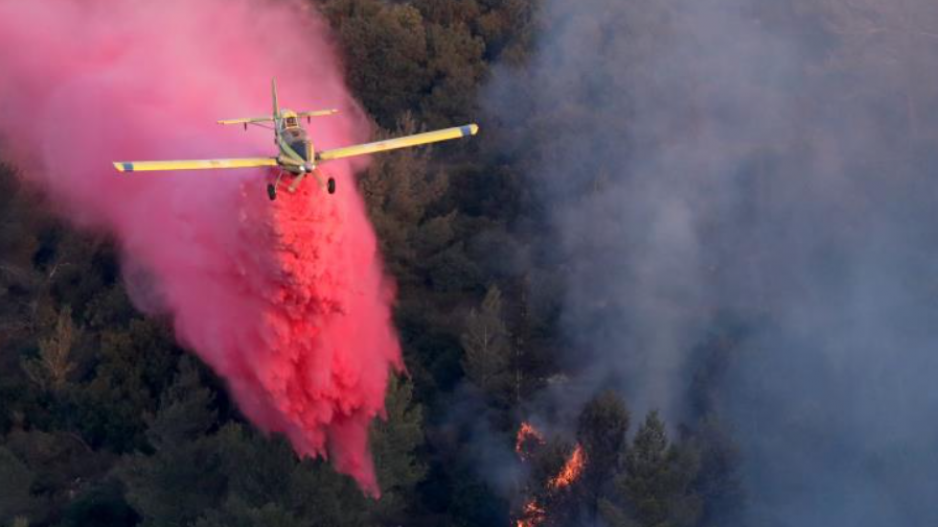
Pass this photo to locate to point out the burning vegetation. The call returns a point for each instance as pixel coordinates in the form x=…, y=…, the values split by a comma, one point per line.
x=528, y=443
x=528, y=437
x=532, y=515
x=570, y=472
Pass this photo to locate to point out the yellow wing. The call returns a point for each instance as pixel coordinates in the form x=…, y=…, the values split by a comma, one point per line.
x=195, y=164
x=400, y=142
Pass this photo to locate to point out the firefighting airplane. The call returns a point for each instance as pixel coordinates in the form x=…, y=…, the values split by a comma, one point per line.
x=297, y=155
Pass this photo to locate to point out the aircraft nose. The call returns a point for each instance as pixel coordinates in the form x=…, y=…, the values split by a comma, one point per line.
x=309, y=167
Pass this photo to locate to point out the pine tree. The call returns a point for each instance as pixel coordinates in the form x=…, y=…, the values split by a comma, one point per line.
x=718, y=481
x=487, y=345
x=134, y=366
x=318, y=496
x=182, y=478
x=254, y=466
x=455, y=65
x=601, y=430
x=51, y=369
x=265, y=483
x=393, y=447
x=655, y=488
x=385, y=48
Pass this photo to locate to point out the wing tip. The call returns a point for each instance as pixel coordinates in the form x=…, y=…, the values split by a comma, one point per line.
x=123, y=167
x=469, y=129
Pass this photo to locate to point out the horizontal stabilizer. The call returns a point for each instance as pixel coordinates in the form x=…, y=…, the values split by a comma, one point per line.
x=400, y=142
x=318, y=113
x=269, y=119
x=247, y=120
x=195, y=164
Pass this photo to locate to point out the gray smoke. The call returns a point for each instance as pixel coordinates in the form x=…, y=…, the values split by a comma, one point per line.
x=776, y=160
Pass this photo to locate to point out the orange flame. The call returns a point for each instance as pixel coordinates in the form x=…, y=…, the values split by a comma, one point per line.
x=526, y=435
x=533, y=515
x=571, y=470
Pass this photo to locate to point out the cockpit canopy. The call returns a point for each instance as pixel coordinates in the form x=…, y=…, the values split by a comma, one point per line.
x=289, y=119
x=298, y=140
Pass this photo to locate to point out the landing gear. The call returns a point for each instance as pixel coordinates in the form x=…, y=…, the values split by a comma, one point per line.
x=272, y=187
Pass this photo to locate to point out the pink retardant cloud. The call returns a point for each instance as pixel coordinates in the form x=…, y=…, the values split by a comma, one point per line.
x=286, y=300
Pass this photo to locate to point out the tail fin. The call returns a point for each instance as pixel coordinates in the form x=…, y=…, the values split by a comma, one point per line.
x=273, y=90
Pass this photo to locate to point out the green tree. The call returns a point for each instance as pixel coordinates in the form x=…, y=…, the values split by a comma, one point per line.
x=62, y=464
x=508, y=28
x=385, y=48
x=394, y=442
x=320, y=497
x=399, y=191
x=601, y=430
x=453, y=271
x=266, y=484
x=655, y=488
x=52, y=368
x=487, y=345
x=134, y=365
x=254, y=466
x=718, y=481
x=182, y=478
x=456, y=66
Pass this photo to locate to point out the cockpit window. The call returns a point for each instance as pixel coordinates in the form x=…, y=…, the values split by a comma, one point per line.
x=291, y=121
x=300, y=148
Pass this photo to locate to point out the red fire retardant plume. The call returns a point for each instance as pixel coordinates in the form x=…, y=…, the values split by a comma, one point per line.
x=287, y=301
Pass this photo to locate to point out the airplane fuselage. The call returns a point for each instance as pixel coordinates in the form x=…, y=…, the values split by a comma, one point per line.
x=297, y=154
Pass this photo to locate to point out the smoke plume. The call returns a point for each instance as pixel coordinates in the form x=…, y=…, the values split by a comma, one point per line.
x=287, y=301
x=769, y=160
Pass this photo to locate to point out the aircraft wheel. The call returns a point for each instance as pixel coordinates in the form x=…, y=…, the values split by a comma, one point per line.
x=271, y=191
x=330, y=185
